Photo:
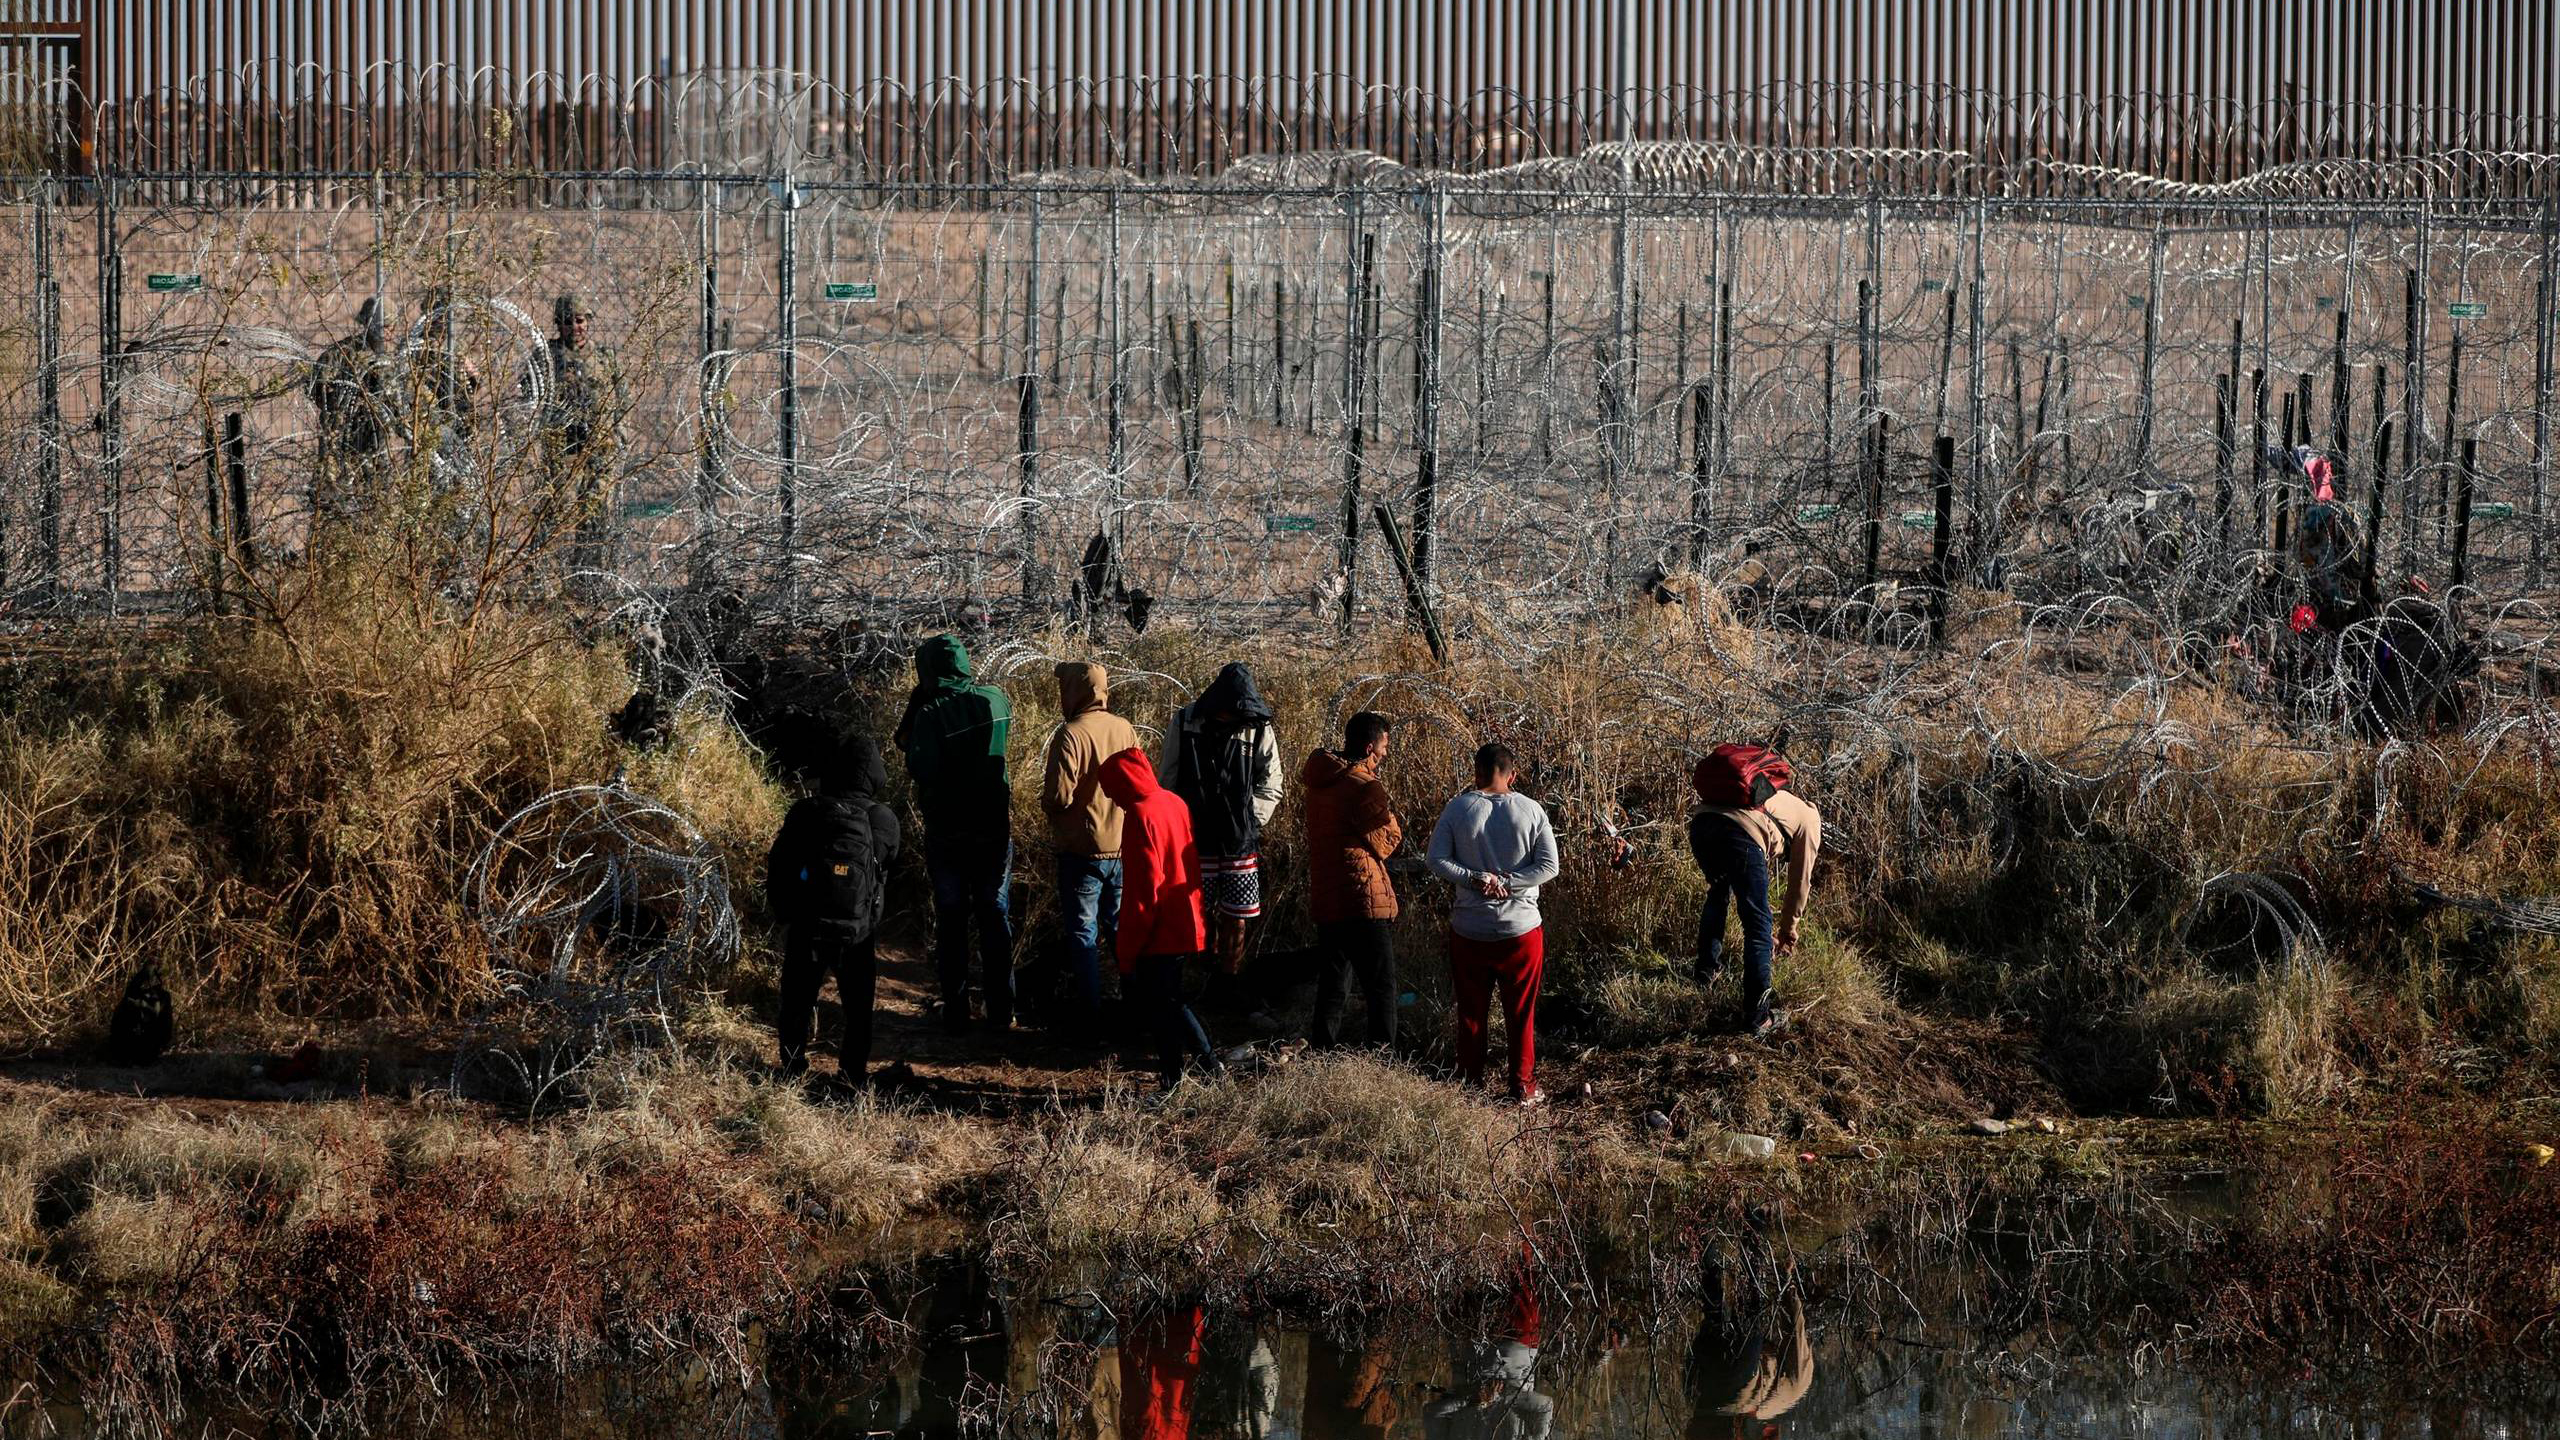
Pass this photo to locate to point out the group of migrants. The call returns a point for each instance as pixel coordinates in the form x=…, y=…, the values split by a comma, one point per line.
x=1163, y=866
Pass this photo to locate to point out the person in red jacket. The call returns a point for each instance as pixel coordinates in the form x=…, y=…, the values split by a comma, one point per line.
x=1161, y=923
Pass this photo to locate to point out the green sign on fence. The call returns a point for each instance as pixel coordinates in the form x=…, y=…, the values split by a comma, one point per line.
x=2137, y=302
x=1287, y=524
x=1919, y=519
x=852, y=290
x=1932, y=287
x=174, y=284
x=1815, y=514
x=2468, y=310
x=2493, y=510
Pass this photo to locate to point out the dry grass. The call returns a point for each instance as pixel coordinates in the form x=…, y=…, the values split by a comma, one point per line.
x=1330, y=1168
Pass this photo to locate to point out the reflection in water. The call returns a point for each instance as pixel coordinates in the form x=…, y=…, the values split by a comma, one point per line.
x=1743, y=1369
x=1768, y=1353
x=1493, y=1382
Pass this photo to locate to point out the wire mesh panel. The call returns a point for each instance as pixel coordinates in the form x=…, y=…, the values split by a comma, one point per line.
x=901, y=402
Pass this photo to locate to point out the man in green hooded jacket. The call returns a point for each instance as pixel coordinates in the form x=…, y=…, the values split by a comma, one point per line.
x=954, y=736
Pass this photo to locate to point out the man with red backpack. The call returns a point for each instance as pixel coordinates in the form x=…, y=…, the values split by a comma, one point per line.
x=826, y=881
x=1747, y=825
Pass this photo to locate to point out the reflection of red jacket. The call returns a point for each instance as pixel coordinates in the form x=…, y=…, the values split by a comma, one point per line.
x=1159, y=865
x=1159, y=1358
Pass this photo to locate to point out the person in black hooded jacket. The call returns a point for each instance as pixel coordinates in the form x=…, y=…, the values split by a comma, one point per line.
x=826, y=879
x=1223, y=759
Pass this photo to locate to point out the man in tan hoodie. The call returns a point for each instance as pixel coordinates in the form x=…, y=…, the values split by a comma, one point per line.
x=1084, y=827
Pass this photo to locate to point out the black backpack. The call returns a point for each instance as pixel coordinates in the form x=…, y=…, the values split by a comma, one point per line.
x=839, y=872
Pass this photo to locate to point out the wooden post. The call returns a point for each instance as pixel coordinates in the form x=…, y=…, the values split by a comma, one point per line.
x=1427, y=619
x=2341, y=391
x=981, y=347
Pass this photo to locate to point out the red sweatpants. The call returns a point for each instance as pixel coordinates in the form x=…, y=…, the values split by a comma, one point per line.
x=1475, y=967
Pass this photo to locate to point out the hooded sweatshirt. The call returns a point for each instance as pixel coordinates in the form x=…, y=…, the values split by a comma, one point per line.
x=1160, y=910
x=1351, y=830
x=954, y=735
x=1083, y=820
x=847, y=799
x=1228, y=769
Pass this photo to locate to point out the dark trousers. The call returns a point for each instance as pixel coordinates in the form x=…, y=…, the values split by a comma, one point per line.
x=972, y=884
x=1737, y=869
x=810, y=953
x=1176, y=1030
x=1348, y=948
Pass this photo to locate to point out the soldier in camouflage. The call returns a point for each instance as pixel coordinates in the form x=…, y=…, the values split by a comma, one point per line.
x=579, y=385
x=350, y=386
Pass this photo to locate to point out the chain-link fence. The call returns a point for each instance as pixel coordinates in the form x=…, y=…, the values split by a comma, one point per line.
x=899, y=402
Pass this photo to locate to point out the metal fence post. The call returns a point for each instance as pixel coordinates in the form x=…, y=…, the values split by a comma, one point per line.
x=1118, y=458
x=1426, y=484
x=48, y=558
x=2542, y=393
x=1027, y=444
x=2146, y=406
x=111, y=412
x=1973, y=345
x=1364, y=256
x=2413, y=392
x=787, y=284
x=713, y=379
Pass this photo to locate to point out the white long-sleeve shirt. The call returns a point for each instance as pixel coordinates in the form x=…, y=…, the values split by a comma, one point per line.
x=1507, y=836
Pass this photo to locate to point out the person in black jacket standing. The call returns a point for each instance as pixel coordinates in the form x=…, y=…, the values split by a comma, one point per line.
x=826, y=879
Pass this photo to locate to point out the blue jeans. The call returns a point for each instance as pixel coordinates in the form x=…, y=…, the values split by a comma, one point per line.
x=1088, y=910
x=1177, y=1031
x=972, y=883
x=1736, y=869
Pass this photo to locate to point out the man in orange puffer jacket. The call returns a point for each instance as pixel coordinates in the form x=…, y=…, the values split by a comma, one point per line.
x=1161, y=923
x=1351, y=831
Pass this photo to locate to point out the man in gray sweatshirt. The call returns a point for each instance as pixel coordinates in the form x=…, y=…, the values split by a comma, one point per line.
x=1496, y=847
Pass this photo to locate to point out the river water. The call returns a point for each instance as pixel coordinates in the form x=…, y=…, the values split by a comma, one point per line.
x=1934, y=1341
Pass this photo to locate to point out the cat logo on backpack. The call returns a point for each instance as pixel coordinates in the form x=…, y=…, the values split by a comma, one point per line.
x=843, y=870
